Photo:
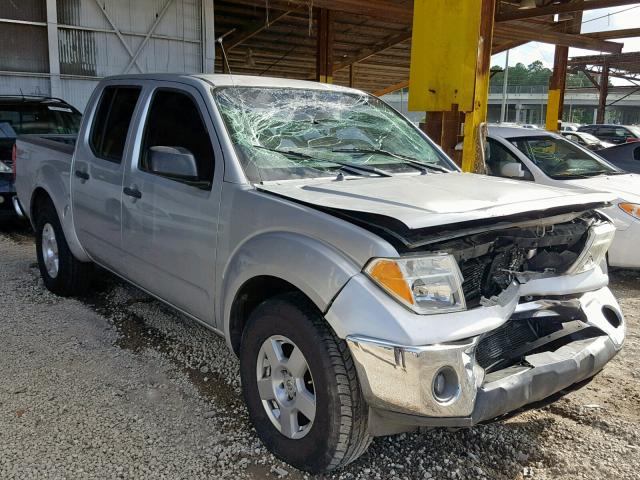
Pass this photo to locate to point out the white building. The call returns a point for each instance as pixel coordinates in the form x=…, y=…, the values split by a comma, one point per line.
x=62, y=48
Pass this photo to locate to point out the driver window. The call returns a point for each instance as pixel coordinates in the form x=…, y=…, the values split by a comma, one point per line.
x=497, y=156
x=175, y=123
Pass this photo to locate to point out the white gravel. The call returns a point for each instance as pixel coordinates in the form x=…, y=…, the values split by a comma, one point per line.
x=118, y=386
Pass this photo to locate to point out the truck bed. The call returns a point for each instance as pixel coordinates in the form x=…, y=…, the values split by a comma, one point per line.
x=44, y=159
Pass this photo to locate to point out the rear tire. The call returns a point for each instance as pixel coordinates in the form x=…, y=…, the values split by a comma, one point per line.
x=337, y=434
x=61, y=272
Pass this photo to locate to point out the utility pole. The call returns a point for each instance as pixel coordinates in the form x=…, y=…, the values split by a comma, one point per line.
x=505, y=83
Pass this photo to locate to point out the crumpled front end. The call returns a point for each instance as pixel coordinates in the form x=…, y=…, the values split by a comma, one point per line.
x=537, y=322
x=545, y=346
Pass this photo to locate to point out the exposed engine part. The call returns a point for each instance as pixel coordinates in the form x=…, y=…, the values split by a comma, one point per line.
x=491, y=261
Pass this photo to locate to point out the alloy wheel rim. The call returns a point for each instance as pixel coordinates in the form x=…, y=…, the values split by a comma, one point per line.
x=286, y=387
x=50, y=250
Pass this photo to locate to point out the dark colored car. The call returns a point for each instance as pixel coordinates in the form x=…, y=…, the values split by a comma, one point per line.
x=23, y=115
x=586, y=140
x=626, y=157
x=613, y=133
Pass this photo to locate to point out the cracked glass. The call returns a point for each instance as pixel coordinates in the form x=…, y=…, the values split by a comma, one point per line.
x=289, y=133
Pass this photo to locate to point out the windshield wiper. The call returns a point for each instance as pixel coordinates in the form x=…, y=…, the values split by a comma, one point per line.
x=347, y=166
x=422, y=166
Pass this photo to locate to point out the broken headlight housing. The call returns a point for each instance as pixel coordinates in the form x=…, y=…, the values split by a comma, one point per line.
x=427, y=284
x=598, y=241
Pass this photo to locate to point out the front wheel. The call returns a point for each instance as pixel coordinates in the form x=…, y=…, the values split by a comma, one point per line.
x=300, y=386
x=61, y=272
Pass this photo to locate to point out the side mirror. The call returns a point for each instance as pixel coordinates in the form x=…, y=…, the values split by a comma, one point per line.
x=512, y=170
x=173, y=162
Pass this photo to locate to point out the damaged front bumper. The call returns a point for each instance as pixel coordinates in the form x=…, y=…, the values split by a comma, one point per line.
x=465, y=382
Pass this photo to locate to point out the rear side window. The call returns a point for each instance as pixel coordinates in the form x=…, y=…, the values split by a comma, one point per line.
x=112, y=122
x=175, y=121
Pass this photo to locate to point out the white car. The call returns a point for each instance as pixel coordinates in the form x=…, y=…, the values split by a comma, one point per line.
x=549, y=159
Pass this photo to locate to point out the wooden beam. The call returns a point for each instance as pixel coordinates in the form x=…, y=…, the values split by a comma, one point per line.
x=391, y=88
x=253, y=29
x=615, y=61
x=593, y=81
x=503, y=47
x=612, y=34
x=556, y=38
x=324, y=52
x=577, y=6
x=602, y=98
x=365, y=53
x=382, y=9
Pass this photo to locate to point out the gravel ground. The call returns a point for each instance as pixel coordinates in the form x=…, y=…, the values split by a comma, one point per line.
x=116, y=385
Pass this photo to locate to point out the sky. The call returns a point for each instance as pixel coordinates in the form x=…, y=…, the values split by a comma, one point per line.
x=592, y=21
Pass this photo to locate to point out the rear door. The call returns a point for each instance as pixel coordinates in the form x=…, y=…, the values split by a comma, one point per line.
x=170, y=225
x=97, y=172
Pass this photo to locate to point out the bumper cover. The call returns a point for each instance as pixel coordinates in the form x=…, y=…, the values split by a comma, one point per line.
x=397, y=381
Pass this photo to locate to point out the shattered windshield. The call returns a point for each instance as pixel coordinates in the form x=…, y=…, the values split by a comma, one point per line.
x=561, y=159
x=288, y=133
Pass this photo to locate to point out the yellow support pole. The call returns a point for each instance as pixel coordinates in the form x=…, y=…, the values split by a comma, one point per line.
x=450, y=60
x=474, y=133
x=555, y=99
x=553, y=110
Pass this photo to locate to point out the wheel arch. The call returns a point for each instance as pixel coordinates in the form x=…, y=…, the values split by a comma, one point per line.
x=277, y=262
x=39, y=198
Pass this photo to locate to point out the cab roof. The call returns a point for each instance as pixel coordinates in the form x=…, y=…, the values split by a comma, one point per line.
x=514, y=131
x=229, y=80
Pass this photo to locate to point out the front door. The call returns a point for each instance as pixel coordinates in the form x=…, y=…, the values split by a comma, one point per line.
x=170, y=223
x=97, y=173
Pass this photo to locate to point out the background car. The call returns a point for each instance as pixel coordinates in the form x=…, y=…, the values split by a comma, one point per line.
x=549, y=159
x=570, y=127
x=45, y=116
x=626, y=157
x=613, y=133
x=586, y=140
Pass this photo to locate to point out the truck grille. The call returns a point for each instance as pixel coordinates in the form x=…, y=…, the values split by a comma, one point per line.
x=507, y=345
x=494, y=348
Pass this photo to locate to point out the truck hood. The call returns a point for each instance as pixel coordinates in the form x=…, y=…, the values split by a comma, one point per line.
x=422, y=201
x=625, y=187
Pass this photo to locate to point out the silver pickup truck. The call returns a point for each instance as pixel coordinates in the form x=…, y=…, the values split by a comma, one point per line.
x=366, y=284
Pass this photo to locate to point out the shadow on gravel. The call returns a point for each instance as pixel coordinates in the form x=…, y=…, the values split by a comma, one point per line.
x=17, y=230
x=137, y=335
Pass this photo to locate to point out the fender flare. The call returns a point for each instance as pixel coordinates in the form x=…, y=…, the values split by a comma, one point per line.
x=53, y=184
x=314, y=267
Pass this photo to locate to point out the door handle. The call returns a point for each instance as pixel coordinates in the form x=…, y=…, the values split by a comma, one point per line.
x=82, y=175
x=132, y=192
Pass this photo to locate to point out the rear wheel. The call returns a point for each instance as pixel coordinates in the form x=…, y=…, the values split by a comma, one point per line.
x=300, y=386
x=61, y=272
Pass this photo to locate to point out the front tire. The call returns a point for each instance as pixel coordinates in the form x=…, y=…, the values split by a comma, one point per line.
x=61, y=272
x=300, y=386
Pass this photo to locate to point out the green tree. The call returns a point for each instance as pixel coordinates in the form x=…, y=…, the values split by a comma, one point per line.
x=535, y=74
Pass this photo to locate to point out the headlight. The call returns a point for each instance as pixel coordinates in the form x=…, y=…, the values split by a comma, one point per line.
x=598, y=241
x=429, y=284
x=632, y=209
